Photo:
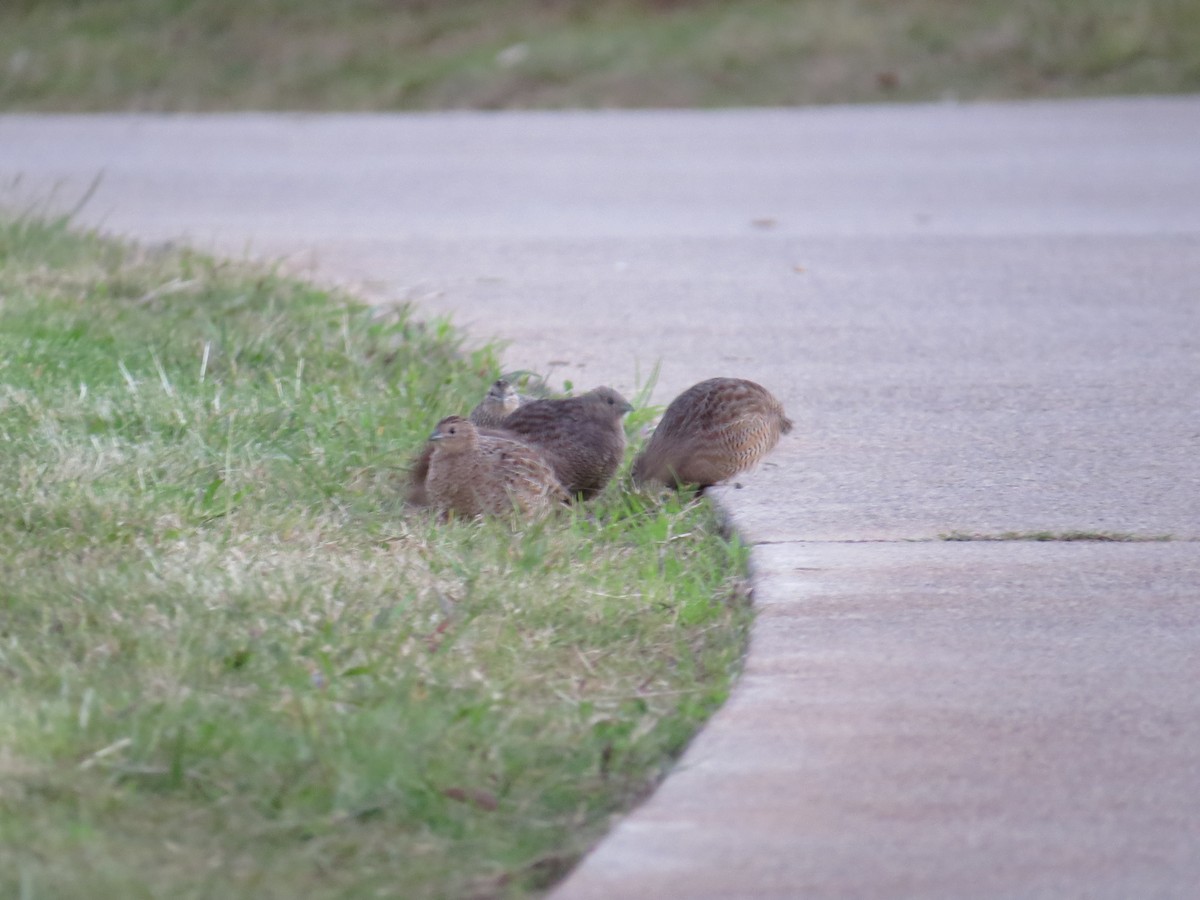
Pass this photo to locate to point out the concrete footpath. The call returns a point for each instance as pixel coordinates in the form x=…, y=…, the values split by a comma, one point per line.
x=984, y=319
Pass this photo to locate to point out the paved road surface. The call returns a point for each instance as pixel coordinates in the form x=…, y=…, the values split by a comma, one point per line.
x=985, y=319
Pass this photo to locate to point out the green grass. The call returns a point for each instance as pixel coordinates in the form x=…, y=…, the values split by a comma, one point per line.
x=418, y=54
x=232, y=664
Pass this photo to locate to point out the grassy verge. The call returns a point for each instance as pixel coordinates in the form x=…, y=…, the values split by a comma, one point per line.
x=415, y=54
x=233, y=665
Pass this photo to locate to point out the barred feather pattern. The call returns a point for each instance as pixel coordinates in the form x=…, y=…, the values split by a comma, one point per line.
x=711, y=432
x=418, y=470
x=487, y=474
x=581, y=437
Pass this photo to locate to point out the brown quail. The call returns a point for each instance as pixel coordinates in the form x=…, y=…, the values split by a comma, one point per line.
x=581, y=437
x=501, y=399
x=712, y=431
x=418, y=471
x=480, y=474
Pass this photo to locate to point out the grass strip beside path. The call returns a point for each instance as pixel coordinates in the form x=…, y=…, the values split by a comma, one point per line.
x=233, y=665
x=208, y=55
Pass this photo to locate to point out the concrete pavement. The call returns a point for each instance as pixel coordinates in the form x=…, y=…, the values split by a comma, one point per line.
x=984, y=319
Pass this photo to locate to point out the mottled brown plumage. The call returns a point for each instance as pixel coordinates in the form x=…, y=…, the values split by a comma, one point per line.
x=581, y=437
x=501, y=400
x=711, y=432
x=418, y=470
x=480, y=474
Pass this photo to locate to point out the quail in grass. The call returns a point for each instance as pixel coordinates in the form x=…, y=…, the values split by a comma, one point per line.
x=501, y=399
x=711, y=432
x=418, y=470
x=581, y=437
x=472, y=473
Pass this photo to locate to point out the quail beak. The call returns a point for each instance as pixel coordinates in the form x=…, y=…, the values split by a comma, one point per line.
x=626, y=407
x=437, y=436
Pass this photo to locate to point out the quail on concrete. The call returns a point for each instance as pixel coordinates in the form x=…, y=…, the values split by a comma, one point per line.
x=711, y=432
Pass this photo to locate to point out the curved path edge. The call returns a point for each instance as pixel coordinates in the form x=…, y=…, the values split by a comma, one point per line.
x=984, y=319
